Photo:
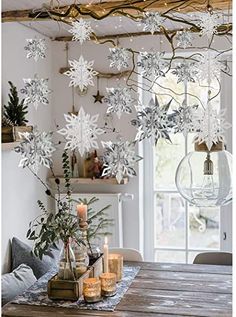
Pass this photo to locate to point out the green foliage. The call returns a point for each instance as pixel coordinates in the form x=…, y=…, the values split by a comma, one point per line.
x=15, y=111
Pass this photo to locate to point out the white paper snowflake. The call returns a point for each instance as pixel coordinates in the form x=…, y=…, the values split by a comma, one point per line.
x=210, y=126
x=186, y=71
x=152, y=64
x=36, y=149
x=81, y=30
x=36, y=91
x=209, y=62
x=119, y=57
x=81, y=132
x=119, y=100
x=152, y=22
x=184, y=39
x=35, y=48
x=119, y=159
x=153, y=122
x=183, y=119
x=81, y=73
x=208, y=23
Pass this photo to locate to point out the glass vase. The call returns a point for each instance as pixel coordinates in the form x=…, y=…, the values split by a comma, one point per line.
x=81, y=258
x=66, y=263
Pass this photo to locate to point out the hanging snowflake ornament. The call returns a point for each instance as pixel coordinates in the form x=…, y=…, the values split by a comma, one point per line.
x=186, y=71
x=81, y=30
x=119, y=159
x=119, y=57
x=209, y=61
x=81, y=132
x=36, y=91
x=184, y=39
x=35, y=48
x=36, y=149
x=183, y=119
x=152, y=64
x=119, y=100
x=81, y=73
x=210, y=126
x=152, y=22
x=208, y=23
x=153, y=122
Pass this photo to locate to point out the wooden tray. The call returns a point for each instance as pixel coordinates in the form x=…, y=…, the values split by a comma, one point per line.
x=72, y=290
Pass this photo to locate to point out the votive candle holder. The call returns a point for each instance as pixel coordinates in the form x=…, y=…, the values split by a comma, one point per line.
x=115, y=264
x=92, y=290
x=108, y=284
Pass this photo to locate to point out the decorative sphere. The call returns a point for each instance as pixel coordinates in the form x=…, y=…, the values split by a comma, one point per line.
x=205, y=190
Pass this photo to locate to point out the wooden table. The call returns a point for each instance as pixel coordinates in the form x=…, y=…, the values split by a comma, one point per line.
x=162, y=290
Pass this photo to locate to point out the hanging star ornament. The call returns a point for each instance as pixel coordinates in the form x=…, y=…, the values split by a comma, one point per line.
x=36, y=91
x=186, y=71
x=81, y=132
x=119, y=58
x=152, y=22
x=208, y=23
x=81, y=73
x=98, y=97
x=152, y=64
x=36, y=149
x=184, y=39
x=209, y=61
x=119, y=159
x=153, y=122
x=35, y=48
x=81, y=30
x=119, y=100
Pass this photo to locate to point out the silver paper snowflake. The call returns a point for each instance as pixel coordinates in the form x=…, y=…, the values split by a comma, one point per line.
x=152, y=64
x=36, y=91
x=210, y=126
x=36, y=149
x=183, y=119
x=184, y=39
x=119, y=100
x=81, y=132
x=119, y=159
x=153, y=122
x=152, y=22
x=186, y=71
x=119, y=57
x=81, y=73
x=81, y=30
x=35, y=48
x=209, y=62
x=208, y=23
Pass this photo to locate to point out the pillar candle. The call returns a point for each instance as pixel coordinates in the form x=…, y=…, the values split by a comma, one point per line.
x=82, y=212
x=105, y=256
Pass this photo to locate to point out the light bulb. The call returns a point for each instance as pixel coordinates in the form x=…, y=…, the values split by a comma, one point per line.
x=208, y=187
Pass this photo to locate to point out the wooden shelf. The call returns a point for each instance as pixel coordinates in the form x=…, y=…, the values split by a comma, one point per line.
x=89, y=181
x=9, y=146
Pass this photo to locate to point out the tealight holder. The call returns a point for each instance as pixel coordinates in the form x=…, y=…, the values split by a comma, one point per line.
x=115, y=264
x=108, y=284
x=92, y=290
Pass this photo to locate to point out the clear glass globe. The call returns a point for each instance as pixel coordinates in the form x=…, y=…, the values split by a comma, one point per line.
x=205, y=190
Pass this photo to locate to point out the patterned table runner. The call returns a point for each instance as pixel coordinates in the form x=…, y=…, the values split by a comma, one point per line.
x=37, y=294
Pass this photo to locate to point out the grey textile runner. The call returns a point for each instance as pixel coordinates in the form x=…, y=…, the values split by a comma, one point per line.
x=37, y=294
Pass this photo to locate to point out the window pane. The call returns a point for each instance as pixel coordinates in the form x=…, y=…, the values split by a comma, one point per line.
x=204, y=228
x=167, y=158
x=170, y=256
x=169, y=221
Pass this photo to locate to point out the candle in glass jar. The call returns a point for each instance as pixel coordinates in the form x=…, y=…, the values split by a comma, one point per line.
x=108, y=284
x=82, y=212
x=105, y=256
x=115, y=265
x=92, y=290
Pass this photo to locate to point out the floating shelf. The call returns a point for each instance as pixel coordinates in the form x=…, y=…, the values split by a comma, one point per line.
x=9, y=146
x=89, y=181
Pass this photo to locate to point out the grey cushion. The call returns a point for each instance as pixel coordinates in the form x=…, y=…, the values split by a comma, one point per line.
x=21, y=253
x=16, y=282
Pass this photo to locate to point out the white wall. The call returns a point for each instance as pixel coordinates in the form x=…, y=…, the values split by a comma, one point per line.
x=20, y=190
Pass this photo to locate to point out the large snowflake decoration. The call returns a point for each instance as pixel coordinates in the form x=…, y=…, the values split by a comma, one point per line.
x=153, y=122
x=35, y=48
x=81, y=132
x=152, y=22
x=183, y=119
x=81, y=30
x=119, y=159
x=119, y=100
x=36, y=91
x=185, y=71
x=81, y=73
x=208, y=23
x=36, y=149
x=209, y=62
x=184, y=39
x=119, y=57
x=210, y=126
x=152, y=64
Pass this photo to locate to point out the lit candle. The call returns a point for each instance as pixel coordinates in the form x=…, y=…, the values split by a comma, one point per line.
x=108, y=284
x=82, y=212
x=105, y=256
x=92, y=290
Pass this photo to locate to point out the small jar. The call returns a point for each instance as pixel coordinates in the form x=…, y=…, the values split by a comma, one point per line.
x=66, y=263
x=94, y=253
x=108, y=284
x=92, y=290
